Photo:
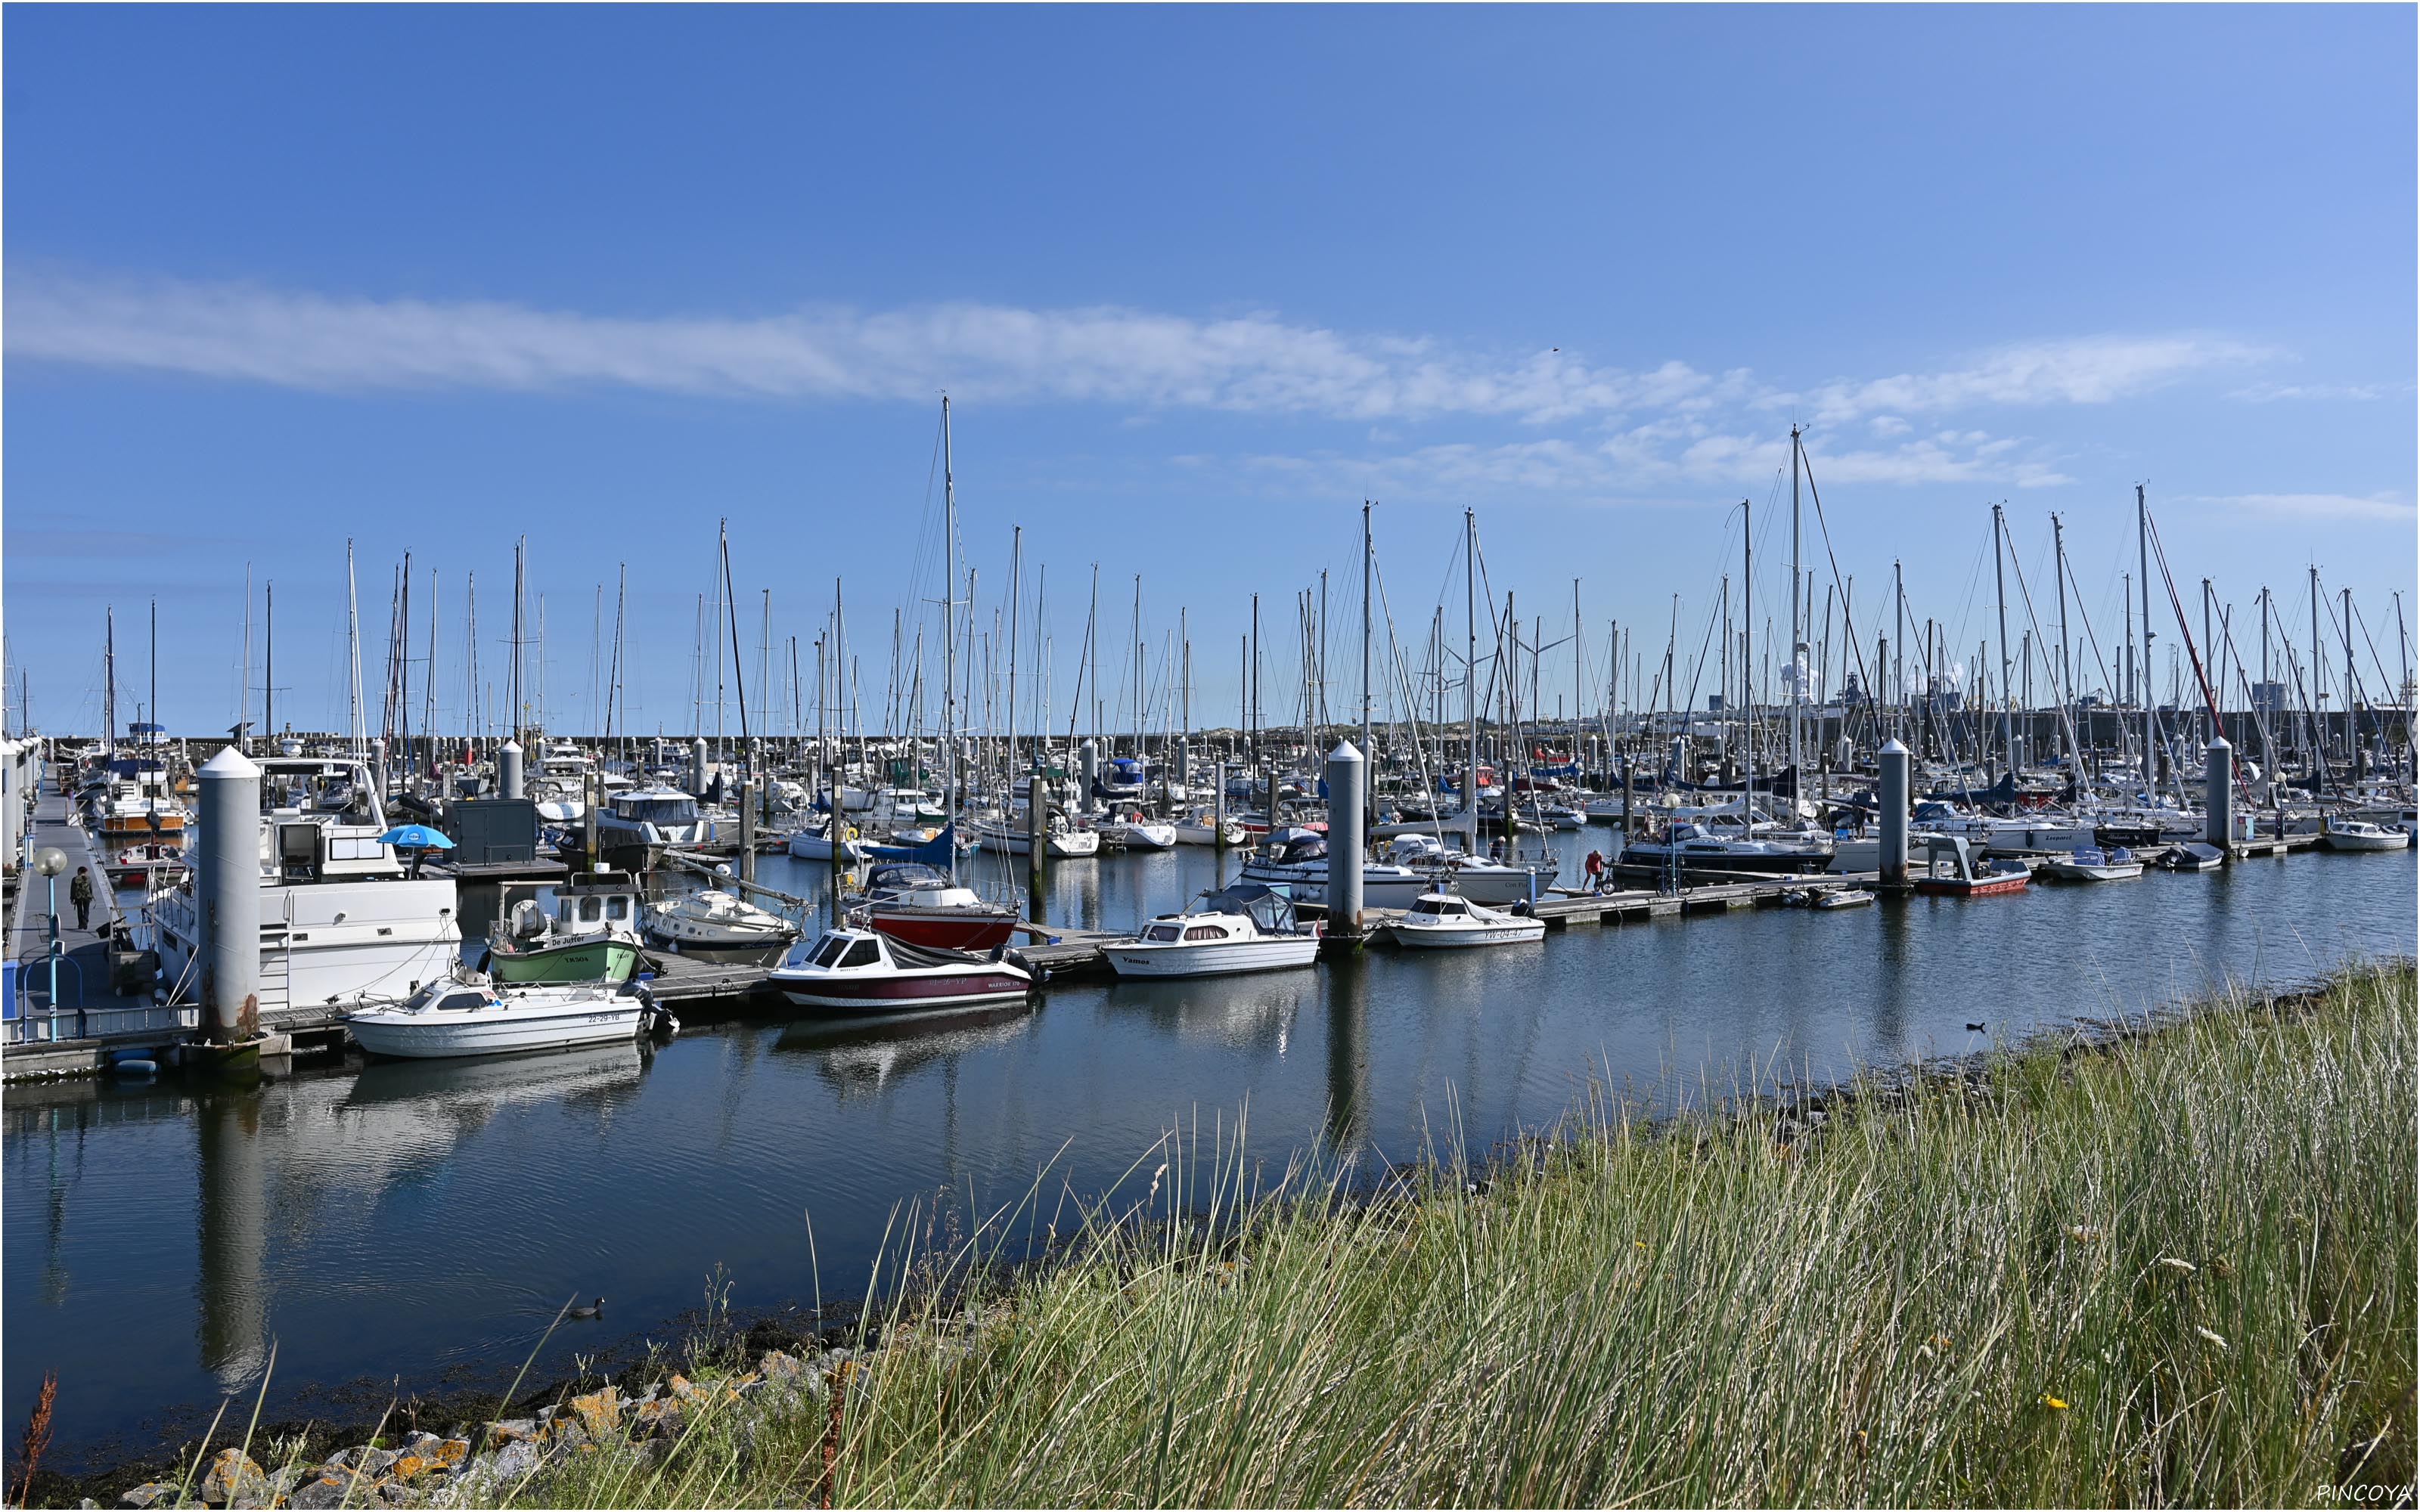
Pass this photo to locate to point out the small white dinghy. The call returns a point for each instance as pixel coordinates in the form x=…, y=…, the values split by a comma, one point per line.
x=467, y=1014
x=1442, y=920
x=1248, y=926
x=2090, y=863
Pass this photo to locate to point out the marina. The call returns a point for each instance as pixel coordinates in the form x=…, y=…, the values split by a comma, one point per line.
x=1209, y=756
x=354, y=980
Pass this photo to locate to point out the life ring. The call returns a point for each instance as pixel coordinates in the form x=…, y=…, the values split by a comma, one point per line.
x=848, y=832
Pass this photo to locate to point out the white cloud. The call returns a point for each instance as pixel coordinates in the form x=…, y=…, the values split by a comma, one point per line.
x=2084, y=370
x=2270, y=393
x=2313, y=506
x=1135, y=358
x=1252, y=363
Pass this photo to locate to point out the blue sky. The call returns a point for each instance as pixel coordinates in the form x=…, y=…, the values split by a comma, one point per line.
x=1199, y=282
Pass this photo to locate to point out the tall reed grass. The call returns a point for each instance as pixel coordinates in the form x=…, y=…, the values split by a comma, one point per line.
x=2178, y=1268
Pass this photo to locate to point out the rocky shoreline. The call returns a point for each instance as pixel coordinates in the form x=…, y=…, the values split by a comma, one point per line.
x=486, y=1463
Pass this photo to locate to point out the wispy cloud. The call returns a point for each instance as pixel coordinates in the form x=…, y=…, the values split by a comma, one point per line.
x=2086, y=370
x=2331, y=393
x=1250, y=363
x=1657, y=460
x=2315, y=507
x=1137, y=358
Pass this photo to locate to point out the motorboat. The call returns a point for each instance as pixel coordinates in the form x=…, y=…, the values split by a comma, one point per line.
x=146, y=866
x=2361, y=835
x=1246, y=926
x=911, y=901
x=865, y=972
x=466, y=1014
x=586, y=931
x=813, y=841
x=2192, y=857
x=1297, y=859
x=1479, y=879
x=1444, y=921
x=1199, y=826
x=713, y=919
x=1949, y=871
x=1825, y=897
x=635, y=828
x=2090, y=863
x=1136, y=833
x=1694, y=848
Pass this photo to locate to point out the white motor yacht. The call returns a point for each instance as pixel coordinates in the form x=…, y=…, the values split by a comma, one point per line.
x=635, y=828
x=1246, y=927
x=341, y=915
x=1440, y=920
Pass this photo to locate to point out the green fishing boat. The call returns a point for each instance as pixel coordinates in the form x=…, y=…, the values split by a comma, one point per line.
x=584, y=932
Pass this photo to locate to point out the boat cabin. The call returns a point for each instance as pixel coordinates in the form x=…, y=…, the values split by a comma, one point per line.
x=1438, y=905
x=598, y=902
x=660, y=806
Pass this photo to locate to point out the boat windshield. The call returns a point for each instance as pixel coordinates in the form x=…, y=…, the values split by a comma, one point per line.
x=828, y=951
x=656, y=809
x=904, y=877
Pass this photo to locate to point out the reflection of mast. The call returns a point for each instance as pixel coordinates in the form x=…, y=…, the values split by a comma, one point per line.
x=1348, y=1055
x=233, y=1310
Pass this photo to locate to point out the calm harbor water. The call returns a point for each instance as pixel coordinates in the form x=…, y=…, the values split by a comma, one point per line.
x=415, y=1226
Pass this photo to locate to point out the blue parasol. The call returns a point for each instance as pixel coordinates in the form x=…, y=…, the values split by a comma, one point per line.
x=415, y=836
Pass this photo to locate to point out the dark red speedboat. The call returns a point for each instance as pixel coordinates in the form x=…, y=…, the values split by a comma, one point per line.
x=859, y=972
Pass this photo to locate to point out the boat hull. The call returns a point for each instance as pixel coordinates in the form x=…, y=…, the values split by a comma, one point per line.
x=948, y=929
x=592, y=958
x=1981, y=887
x=1222, y=959
x=395, y=1035
x=1433, y=937
x=2337, y=840
x=901, y=994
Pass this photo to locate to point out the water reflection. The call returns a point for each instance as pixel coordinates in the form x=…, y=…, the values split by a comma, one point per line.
x=1348, y=1052
x=863, y=1060
x=1252, y=1011
x=231, y=1302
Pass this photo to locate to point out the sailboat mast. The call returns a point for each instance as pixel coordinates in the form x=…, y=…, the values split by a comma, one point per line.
x=1015, y=591
x=1747, y=662
x=244, y=684
x=1369, y=789
x=353, y=648
x=1470, y=665
x=109, y=679
x=1795, y=573
x=949, y=637
x=2000, y=591
x=2150, y=719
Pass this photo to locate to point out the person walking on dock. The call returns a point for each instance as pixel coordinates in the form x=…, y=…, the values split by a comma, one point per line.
x=80, y=894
